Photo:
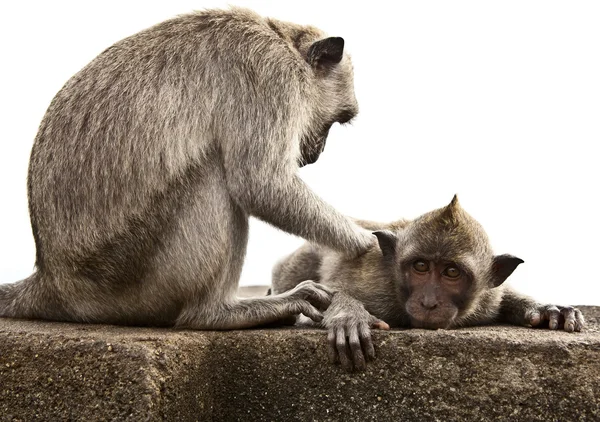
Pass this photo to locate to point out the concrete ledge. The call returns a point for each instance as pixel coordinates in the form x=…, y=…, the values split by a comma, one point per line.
x=53, y=371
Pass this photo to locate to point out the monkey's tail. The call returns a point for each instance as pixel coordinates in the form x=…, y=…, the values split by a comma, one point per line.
x=7, y=297
x=15, y=296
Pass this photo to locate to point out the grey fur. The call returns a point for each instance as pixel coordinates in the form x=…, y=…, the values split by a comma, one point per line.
x=150, y=160
x=374, y=287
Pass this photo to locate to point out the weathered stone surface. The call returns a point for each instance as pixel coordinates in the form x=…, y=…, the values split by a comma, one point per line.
x=53, y=371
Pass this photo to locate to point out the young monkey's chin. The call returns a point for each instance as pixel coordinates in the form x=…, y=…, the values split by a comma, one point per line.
x=430, y=323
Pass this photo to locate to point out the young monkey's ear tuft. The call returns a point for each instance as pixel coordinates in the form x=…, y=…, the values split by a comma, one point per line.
x=328, y=51
x=450, y=211
x=453, y=206
x=387, y=242
x=454, y=201
x=502, y=267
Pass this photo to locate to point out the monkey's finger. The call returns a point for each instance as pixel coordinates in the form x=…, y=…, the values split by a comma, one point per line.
x=568, y=314
x=579, y=320
x=320, y=299
x=380, y=325
x=305, y=308
x=366, y=341
x=342, y=348
x=317, y=286
x=311, y=283
x=553, y=317
x=332, y=349
x=356, y=348
x=314, y=293
x=324, y=288
x=533, y=318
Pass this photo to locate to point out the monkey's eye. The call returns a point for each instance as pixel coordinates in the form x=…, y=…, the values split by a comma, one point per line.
x=452, y=272
x=421, y=266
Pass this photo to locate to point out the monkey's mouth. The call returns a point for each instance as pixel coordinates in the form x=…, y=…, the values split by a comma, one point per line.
x=429, y=325
x=431, y=320
x=442, y=316
x=311, y=149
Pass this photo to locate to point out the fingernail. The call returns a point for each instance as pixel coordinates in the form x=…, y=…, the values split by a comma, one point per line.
x=534, y=319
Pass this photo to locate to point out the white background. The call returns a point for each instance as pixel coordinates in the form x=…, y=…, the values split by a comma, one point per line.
x=496, y=101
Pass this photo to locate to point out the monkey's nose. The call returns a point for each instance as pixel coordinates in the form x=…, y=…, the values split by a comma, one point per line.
x=430, y=305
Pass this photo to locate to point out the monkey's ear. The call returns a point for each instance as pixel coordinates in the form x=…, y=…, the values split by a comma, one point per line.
x=328, y=51
x=387, y=242
x=452, y=206
x=503, y=266
x=450, y=210
x=454, y=201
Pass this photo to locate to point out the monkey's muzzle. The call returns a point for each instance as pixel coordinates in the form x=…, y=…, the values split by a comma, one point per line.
x=312, y=150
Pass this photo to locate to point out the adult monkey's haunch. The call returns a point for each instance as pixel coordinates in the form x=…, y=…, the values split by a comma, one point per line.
x=151, y=158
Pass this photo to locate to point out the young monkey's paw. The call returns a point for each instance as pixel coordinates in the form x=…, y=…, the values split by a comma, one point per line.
x=349, y=339
x=556, y=317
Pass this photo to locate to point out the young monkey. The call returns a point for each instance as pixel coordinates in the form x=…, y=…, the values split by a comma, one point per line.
x=437, y=271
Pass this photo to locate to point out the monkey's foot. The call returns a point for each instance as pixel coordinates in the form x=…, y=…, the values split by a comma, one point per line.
x=556, y=318
x=308, y=298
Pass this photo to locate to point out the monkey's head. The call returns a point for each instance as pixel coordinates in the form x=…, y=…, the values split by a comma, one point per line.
x=334, y=100
x=444, y=265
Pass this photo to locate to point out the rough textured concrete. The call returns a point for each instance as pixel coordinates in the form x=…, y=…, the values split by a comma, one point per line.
x=52, y=371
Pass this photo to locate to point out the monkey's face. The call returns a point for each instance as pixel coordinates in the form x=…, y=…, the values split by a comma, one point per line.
x=443, y=264
x=436, y=292
x=313, y=143
x=334, y=102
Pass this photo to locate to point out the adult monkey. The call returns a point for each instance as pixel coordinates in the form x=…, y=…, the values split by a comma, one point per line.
x=149, y=161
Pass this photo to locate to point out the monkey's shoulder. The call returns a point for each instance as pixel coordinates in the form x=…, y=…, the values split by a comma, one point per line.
x=362, y=271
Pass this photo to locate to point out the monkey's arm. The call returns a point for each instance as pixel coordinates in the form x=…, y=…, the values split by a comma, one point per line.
x=261, y=176
x=287, y=203
x=519, y=309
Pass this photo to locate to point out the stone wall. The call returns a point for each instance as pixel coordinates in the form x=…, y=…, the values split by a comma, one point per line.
x=55, y=371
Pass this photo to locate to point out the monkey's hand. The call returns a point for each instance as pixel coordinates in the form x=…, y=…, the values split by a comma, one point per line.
x=308, y=298
x=556, y=317
x=349, y=337
x=365, y=241
x=518, y=309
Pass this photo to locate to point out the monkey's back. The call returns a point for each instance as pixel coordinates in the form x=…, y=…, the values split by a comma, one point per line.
x=130, y=134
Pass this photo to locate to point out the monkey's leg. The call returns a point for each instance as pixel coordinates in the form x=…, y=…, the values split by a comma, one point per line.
x=33, y=298
x=308, y=298
x=8, y=295
x=518, y=309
